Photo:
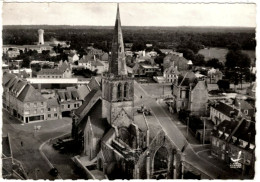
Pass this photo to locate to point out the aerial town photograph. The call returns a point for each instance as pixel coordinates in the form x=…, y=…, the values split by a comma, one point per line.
x=128, y=90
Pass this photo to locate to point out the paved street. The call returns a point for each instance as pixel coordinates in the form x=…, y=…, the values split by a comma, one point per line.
x=25, y=142
x=169, y=124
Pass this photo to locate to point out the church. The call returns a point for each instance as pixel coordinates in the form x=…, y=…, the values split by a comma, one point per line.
x=116, y=142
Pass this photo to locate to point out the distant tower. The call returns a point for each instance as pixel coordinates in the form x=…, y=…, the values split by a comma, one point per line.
x=41, y=40
x=117, y=86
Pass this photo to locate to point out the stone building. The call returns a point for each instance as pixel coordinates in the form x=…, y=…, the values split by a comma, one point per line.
x=175, y=60
x=63, y=71
x=118, y=142
x=190, y=94
x=22, y=100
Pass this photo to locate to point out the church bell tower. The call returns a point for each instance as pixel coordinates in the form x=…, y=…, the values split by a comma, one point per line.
x=117, y=86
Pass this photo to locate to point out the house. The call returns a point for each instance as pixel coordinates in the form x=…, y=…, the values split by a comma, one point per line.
x=214, y=75
x=53, y=109
x=190, y=94
x=112, y=139
x=85, y=61
x=92, y=63
x=171, y=74
x=93, y=51
x=245, y=107
x=23, y=72
x=97, y=65
x=62, y=71
x=72, y=57
x=234, y=143
x=13, y=53
x=22, y=100
x=68, y=100
x=104, y=57
x=142, y=69
x=175, y=60
x=221, y=111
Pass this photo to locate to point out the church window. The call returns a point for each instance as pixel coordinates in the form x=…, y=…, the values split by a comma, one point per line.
x=119, y=88
x=126, y=90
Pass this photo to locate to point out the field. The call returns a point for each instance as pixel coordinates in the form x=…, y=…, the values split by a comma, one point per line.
x=220, y=54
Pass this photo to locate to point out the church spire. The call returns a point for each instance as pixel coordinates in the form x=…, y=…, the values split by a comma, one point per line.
x=117, y=64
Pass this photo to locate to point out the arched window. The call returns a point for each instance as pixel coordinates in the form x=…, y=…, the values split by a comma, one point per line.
x=119, y=91
x=126, y=87
x=161, y=160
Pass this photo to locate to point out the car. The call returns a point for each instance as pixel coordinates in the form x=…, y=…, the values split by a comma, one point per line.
x=54, y=172
x=56, y=146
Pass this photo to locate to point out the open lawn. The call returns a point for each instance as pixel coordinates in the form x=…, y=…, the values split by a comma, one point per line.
x=220, y=54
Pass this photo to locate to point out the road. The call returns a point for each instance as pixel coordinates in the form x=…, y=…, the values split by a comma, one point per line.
x=169, y=124
x=25, y=143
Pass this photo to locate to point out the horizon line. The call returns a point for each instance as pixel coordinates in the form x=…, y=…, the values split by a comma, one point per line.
x=222, y=26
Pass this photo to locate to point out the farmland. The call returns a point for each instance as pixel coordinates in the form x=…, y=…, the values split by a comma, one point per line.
x=220, y=54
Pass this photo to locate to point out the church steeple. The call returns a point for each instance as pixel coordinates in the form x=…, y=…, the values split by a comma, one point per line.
x=117, y=64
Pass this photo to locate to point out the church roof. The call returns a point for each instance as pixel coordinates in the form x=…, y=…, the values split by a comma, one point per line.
x=83, y=91
x=93, y=95
x=117, y=65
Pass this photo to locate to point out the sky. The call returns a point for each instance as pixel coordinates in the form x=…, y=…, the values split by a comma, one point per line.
x=132, y=14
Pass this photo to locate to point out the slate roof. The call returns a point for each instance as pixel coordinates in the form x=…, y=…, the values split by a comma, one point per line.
x=243, y=129
x=97, y=63
x=50, y=72
x=83, y=91
x=64, y=66
x=178, y=61
x=94, y=83
x=18, y=86
x=52, y=102
x=30, y=94
x=242, y=104
x=94, y=93
x=225, y=108
x=7, y=77
x=188, y=78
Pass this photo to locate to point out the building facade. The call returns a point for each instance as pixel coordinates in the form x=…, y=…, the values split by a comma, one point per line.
x=234, y=143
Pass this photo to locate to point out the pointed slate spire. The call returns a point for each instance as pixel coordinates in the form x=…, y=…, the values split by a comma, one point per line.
x=117, y=65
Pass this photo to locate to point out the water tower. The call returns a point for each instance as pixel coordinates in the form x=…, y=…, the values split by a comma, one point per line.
x=41, y=40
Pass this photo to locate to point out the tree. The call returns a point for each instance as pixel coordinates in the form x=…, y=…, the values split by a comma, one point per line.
x=26, y=62
x=214, y=63
x=198, y=60
x=138, y=46
x=223, y=84
x=237, y=59
x=159, y=59
x=234, y=46
x=187, y=53
x=46, y=66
